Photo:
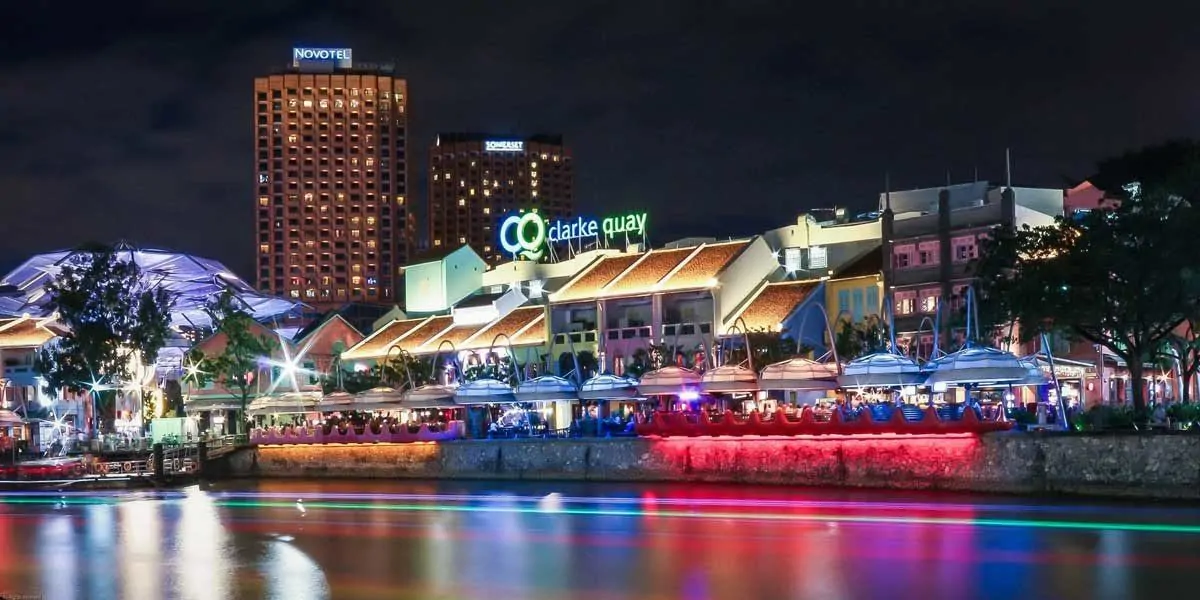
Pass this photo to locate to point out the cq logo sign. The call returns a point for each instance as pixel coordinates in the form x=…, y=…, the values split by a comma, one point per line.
x=524, y=235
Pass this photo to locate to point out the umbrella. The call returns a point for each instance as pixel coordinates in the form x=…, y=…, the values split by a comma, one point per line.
x=881, y=369
x=729, y=378
x=547, y=388
x=976, y=365
x=799, y=374
x=484, y=391
x=608, y=387
x=668, y=381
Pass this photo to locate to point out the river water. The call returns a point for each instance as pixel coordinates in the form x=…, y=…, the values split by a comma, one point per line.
x=293, y=540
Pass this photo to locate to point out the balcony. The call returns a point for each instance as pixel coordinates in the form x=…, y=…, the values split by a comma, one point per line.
x=630, y=333
x=576, y=337
x=685, y=329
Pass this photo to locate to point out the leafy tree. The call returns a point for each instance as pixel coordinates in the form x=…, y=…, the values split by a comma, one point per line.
x=855, y=339
x=1122, y=277
x=1185, y=346
x=111, y=314
x=236, y=367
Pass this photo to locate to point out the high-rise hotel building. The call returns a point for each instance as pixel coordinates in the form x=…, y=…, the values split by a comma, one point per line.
x=476, y=179
x=331, y=179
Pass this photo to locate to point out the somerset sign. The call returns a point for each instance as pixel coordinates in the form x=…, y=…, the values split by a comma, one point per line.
x=503, y=146
x=528, y=234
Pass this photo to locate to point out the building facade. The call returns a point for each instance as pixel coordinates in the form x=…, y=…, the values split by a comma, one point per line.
x=331, y=180
x=930, y=238
x=474, y=179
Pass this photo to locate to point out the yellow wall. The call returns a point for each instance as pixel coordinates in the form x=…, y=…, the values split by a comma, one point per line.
x=834, y=286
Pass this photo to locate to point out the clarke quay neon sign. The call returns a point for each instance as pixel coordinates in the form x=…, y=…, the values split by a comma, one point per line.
x=528, y=234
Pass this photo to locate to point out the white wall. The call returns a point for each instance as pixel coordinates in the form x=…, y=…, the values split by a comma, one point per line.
x=755, y=264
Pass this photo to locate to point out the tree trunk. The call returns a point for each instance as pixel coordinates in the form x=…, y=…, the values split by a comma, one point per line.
x=241, y=417
x=1186, y=392
x=1137, y=386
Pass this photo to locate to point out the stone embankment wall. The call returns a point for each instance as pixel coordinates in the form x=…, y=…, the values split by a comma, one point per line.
x=1161, y=466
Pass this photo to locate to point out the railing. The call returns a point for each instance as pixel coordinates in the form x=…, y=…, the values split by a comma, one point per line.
x=896, y=422
x=576, y=337
x=398, y=435
x=674, y=329
x=629, y=333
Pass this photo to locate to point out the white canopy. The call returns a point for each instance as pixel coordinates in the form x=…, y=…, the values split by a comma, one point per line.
x=668, y=381
x=976, y=365
x=608, y=387
x=799, y=374
x=547, y=388
x=881, y=369
x=729, y=378
x=484, y=391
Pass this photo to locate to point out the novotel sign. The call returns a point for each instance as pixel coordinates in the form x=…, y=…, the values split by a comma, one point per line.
x=343, y=57
x=528, y=234
x=503, y=146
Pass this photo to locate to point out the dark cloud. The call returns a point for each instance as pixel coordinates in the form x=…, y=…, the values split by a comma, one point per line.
x=132, y=120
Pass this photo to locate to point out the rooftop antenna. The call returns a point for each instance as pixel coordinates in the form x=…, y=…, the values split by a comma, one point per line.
x=947, y=177
x=1008, y=167
x=887, y=190
x=976, y=174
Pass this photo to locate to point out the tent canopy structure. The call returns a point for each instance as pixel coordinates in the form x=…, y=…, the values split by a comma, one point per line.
x=193, y=280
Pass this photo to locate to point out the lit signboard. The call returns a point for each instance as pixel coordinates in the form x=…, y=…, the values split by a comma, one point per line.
x=503, y=146
x=342, y=57
x=528, y=234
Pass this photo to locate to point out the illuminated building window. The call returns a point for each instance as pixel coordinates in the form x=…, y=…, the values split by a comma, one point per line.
x=437, y=242
x=533, y=174
x=308, y=197
x=264, y=248
x=308, y=104
x=292, y=138
x=263, y=201
x=356, y=280
x=371, y=244
x=533, y=193
x=462, y=240
x=354, y=233
x=295, y=293
x=370, y=220
x=545, y=156
x=487, y=248
x=435, y=176
x=463, y=201
x=487, y=193
x=533, y=165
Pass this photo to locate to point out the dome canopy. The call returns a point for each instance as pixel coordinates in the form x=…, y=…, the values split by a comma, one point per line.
x=799, y=374
x=291, y=403
x=547, y=388
x=608, y=387
x=729, y=378
x=194, y=281
x=976, y=365
x=881, y=369
x=337, y=401
x=1034, y=377
x=430, y=396
x=484, y=391
x=668, y=381
x=378, y=398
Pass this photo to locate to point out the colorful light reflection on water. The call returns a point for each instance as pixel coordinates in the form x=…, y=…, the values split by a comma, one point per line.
x=292, y=540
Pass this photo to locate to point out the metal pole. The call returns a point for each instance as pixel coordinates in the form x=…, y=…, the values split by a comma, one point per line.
x=1059, y=408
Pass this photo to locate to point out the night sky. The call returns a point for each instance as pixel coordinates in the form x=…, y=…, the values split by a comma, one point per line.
x=727, y=120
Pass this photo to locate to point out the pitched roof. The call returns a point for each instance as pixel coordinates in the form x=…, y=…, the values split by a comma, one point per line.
x=589, y=283
x=654, y=265
x=665, y=269
x=422, y=335
x=703, y=267
x=28, y=332
x=773, y=303
x=379, y=342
